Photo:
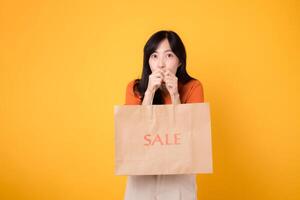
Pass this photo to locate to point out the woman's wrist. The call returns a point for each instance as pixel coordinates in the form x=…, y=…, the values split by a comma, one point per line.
x=149, y=92
x=148, y=97
x=175, y=98
x=176, y=94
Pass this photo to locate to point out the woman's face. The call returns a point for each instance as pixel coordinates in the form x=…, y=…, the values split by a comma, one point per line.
x=163, y=58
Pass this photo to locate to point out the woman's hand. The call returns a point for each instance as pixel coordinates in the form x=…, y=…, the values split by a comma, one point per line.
x=155, y=81
x=171, y=82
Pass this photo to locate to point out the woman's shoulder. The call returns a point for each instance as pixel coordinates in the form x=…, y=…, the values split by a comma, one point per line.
x=131, y=84
x=195, y=82
x=131, y=96
x=192, y=84
x=192, y=91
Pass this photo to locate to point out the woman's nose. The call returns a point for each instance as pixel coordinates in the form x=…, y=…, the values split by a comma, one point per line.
x=161, y=63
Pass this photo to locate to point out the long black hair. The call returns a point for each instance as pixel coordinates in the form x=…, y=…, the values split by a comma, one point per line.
x=177, y=46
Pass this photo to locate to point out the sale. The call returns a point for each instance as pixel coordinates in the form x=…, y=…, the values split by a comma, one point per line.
x=161, y=139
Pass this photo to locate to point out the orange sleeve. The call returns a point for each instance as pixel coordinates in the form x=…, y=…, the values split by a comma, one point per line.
x=130, y=97
x=196, y=93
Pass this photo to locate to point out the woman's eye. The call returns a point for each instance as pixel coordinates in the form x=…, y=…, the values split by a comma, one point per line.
x=170, y=55
x=154, y=56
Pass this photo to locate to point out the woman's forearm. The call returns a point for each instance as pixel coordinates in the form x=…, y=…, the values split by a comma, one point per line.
x=175, y=98
x=148, y=98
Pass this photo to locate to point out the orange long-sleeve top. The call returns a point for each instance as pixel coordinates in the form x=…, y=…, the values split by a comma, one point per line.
x=191, y=92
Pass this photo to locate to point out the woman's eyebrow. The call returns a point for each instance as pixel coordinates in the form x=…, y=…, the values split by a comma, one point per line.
x=168, y=50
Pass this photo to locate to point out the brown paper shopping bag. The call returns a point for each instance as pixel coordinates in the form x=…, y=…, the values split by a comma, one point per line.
x=162, y=139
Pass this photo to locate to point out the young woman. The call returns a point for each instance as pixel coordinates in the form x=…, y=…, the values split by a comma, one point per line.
x=164, y=80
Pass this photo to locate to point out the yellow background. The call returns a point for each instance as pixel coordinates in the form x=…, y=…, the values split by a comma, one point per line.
x=65, y=64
